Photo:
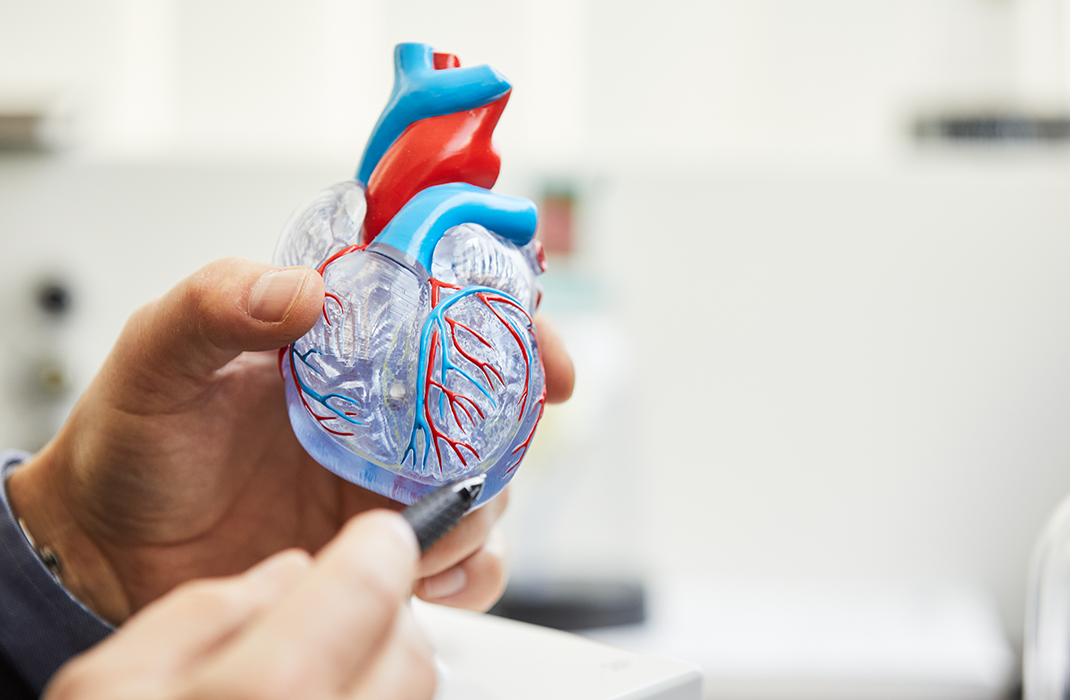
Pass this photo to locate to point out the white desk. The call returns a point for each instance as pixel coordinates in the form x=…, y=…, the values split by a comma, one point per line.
x=489, y=658
x=784, y=641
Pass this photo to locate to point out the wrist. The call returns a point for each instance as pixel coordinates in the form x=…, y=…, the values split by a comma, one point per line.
x=39, y=500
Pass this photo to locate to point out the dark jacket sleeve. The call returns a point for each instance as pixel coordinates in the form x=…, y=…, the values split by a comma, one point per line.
x=41, y=624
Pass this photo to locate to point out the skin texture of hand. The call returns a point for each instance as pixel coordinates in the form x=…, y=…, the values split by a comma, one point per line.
x=338, y=626
x=179, y=462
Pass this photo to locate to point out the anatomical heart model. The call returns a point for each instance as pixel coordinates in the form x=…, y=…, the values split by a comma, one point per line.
x=423, y=368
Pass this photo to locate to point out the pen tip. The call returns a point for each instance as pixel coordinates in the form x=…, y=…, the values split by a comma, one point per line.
x=471, y=487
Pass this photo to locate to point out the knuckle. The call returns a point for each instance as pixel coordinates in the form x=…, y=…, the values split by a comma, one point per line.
x=212, y=598
x=376, y=587
x=473, y=531
x=142, y=314
x=197, y=290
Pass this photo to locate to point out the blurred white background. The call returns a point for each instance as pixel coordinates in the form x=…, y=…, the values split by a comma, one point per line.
x=812, y=352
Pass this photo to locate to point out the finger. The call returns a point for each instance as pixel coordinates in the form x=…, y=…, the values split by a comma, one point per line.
x=227, y=307
x=560, y=373
x=328, y=629
x=176, y=631
x=197, y=615
x=465, y=539
x=474, y=584
x=404, y=669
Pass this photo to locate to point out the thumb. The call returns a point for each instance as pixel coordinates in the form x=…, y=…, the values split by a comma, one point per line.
x=227, y=307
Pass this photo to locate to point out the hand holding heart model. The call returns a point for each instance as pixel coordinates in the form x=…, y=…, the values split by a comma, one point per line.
x=424, y=367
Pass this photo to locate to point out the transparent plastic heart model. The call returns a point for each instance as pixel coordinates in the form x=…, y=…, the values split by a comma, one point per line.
x=423, y=367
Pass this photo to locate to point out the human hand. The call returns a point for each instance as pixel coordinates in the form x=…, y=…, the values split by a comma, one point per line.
x=338, y=626
x=179, y=461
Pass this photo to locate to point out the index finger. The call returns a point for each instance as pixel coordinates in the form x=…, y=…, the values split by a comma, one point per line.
x=329, y=630
x=560, y=374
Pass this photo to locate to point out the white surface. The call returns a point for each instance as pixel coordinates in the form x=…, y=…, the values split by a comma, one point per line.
x=488, y=658
x=833, y=642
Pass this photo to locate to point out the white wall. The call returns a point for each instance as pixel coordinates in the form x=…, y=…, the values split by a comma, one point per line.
x=871, y=382
x=677, y=80
x=867, y=376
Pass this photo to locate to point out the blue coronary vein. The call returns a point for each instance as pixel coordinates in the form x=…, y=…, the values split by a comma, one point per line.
x=321, y=399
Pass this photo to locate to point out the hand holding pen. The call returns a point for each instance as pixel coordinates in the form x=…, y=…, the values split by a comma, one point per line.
x=334, y=626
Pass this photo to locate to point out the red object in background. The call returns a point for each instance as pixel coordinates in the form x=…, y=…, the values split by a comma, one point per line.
x=556, y=223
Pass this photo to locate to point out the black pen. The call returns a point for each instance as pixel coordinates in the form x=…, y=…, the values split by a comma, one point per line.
x=438, y=512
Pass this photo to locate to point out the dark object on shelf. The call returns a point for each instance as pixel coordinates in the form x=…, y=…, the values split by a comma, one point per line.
x=54, y=298
x=21, y=131
x=573, y=605
x=35, y=127
x=995, y=128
